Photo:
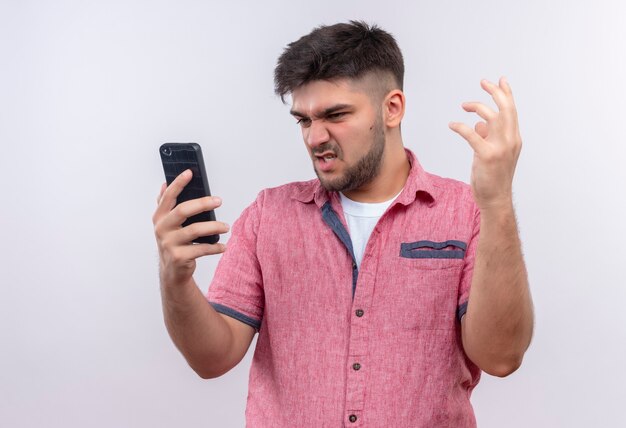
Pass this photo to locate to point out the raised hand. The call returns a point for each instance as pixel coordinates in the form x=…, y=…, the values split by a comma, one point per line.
x=176, y=252
x=496, y=142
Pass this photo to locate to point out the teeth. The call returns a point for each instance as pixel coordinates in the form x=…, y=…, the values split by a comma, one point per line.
x=329, y=157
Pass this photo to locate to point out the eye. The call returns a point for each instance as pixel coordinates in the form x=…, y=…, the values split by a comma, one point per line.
x=336, y=116
x=304, y=122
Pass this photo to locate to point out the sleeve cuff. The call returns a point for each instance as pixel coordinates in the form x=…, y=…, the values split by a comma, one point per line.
x=256, y=324
x=461, y=310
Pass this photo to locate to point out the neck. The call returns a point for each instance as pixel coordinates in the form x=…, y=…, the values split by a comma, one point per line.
x=391, y=178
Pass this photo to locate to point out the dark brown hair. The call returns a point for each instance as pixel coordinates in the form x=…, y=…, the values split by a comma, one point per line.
x=341, y=50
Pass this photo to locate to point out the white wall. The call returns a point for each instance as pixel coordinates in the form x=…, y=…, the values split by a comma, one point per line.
x=89, y=90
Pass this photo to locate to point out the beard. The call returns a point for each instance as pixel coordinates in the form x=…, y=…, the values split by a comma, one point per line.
x=364, y=170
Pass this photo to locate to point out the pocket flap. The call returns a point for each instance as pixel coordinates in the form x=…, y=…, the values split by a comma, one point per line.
x=433, y=250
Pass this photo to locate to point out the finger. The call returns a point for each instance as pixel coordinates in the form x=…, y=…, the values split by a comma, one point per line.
x=481, y=129
x=159, y=213
x=197, y=230
x=496, y=93
x=506, y=88
x=163, y=187
x=480, y=109
x=191, y=252
x=187, y=209
x=468, y=133
x=209, y=249
x=504, y=85
x=168, y=199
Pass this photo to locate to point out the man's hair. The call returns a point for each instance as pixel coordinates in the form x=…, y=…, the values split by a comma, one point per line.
x=345, y=50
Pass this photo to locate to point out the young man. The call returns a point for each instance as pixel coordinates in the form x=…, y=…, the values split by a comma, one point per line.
x=379, y=291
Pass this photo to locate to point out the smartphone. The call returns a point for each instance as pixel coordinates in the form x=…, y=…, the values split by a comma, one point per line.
x=178, y=157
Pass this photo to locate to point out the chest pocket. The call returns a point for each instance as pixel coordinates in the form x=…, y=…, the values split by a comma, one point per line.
x=433, y=250
x=428, y=292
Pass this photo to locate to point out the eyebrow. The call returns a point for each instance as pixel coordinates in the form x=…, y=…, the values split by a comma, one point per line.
x=325, y=112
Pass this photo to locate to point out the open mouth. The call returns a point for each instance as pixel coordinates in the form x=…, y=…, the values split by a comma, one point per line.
x=326, y=158
x=325, y=161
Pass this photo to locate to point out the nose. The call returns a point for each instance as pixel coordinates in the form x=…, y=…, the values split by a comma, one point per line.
x=316, y=134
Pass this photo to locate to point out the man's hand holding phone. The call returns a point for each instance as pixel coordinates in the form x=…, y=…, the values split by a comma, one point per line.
x=185, y=229
x=177, y=253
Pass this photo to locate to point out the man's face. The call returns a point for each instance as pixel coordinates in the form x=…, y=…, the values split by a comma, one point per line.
x=342, y=130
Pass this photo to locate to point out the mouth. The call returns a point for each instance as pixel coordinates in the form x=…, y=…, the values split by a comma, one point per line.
x=325, y=161
x=326, y=156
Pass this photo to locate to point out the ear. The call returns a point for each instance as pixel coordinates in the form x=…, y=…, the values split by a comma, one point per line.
x=393, y=108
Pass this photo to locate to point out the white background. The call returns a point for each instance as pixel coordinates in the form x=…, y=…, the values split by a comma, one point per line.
x=89, y=90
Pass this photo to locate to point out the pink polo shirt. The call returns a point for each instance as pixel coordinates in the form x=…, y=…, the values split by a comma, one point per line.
x=337, y=346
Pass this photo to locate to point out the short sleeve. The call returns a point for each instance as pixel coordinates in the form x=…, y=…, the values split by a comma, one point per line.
x=237, y=287
x=468, y=267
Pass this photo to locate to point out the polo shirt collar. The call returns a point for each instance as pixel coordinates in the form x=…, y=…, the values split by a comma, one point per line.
x=418, y=186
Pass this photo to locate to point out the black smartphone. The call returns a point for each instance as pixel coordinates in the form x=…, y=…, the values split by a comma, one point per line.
x=178, y=157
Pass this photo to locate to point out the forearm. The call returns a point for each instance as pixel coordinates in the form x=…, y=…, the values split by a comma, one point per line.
x=498, y=324
x=198, y=331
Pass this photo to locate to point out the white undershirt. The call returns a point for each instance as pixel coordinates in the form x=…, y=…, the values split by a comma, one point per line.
x=362, y=218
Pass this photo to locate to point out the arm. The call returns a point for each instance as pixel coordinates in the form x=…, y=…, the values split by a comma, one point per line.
x=498, y=324
x=211, y=343
x=497, y=327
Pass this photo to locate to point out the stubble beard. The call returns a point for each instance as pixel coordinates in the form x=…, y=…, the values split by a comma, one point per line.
x=366, y=168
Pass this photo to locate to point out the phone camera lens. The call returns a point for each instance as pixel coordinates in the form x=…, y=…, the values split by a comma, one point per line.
x=166, y=151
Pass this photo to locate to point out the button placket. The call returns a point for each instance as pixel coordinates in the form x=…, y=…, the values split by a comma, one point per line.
x=358, y=343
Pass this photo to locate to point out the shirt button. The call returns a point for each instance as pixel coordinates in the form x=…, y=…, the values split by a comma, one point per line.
x=353, y=265
x=356, y=366
x=352, y=418
x=359, y=312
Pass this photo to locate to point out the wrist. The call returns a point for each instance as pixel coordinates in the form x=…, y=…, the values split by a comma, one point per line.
x=174, y=290
x=503, y=205
x=497, y=216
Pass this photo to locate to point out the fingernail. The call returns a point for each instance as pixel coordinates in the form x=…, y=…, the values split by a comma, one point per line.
x=217, y=199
